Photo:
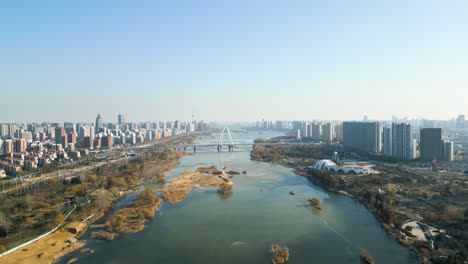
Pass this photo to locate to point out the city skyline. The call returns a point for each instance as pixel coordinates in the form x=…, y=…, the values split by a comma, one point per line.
x=114, y=119
x=238, y=61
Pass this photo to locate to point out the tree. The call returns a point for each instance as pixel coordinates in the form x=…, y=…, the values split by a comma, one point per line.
x=28, y=200
x=57, y=219
x=315, y=202
x=5, y=223
x=102, y=199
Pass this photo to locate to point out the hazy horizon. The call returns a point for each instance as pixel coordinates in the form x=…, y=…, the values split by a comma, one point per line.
x=233, y=61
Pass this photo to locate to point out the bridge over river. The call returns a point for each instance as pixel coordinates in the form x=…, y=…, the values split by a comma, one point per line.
x=230, y=144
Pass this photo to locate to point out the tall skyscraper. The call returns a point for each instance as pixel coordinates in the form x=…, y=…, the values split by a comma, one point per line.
x=461, y=123
x=12, y=129
x=4, y=130
x=447, y=150
x=431, y=144
x=316, y=131
x=107, y=141
x=306, y=129
x=401, y=141
x=387, y=141
x=364, y=136
x=121, y=119
x=71, y=137
x=88, y=142
x=327, y=132
x=20, y=145
x=99, y=124
x=7, y=146
x=61, y=136
x=339, y=132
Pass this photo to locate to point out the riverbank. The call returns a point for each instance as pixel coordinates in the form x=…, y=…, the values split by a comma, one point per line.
x=133, y=217
x=391, y=196
x=93, y=193
x=50, y=248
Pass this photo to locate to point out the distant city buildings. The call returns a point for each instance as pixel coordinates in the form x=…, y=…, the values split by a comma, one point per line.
x=30, y=146
x=99, y=124
x=363, y=136
x=447, y=150
x=460, y=123
x=431, y=144
x=387, y=141
x=402, y=143
x=121, y=119
x=327, y=133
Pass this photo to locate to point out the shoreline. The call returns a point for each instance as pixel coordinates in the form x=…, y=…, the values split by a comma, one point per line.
x=45, y=249
x=385, y=227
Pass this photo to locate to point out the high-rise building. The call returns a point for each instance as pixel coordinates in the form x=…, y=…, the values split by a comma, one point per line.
x=401, y=141
x=107, y=141
x=327, y=133
x=431, y=144
x=364, y=136
x=20, y=145
x=26, y=135
x=297, y=125
x=61, y=136
x=99, y=124
x=387, y=141
x=71, y=137
x=4, y=130
x=339, y=133
x=88, y=142
x=316, y=131
x=460, y=123
x=12, y=129
x=447, y=150
x=121, y=119
x=7, y=146
x=306, y=129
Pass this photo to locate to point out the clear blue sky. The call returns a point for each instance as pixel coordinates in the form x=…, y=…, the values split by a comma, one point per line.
x=232, y=60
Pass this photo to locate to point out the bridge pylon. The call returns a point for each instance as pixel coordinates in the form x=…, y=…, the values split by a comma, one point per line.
x=220, y=141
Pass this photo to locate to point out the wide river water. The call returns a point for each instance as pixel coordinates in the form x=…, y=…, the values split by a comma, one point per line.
x=209, y=228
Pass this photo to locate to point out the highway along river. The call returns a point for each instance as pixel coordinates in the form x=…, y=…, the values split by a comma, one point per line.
x=209, y=228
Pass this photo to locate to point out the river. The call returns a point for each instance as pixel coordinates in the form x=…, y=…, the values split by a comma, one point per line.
x=209, y=228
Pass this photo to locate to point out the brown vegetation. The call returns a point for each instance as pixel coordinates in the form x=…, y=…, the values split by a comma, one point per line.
x=37, y=211
x=365, y=258
x=279, y=254
x=180, y=187
x=47, y=250
x=315, y=202
x=103, y=235
x=133, y=217
x=225, y=187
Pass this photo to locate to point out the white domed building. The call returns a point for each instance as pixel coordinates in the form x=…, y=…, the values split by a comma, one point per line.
x=349, y=167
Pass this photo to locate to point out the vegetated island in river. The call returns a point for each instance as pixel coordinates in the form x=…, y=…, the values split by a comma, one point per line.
x=396, y=196
x=90, y=194
x=133, y=217
x=209, y=177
